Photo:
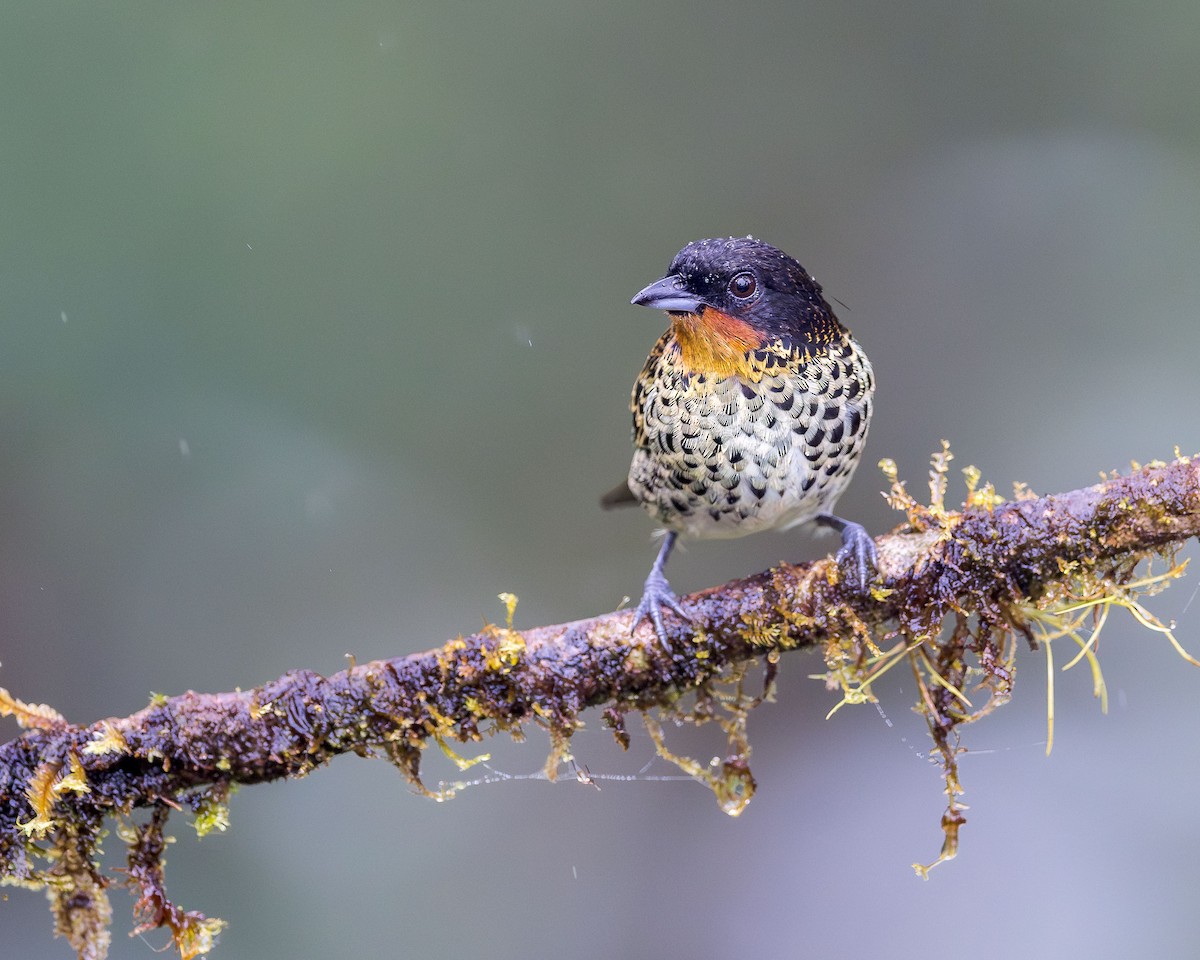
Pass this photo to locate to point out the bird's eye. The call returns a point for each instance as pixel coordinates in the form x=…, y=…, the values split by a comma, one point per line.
x=743, y=286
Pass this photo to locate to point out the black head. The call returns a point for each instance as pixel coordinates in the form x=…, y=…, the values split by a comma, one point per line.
x=746, y=279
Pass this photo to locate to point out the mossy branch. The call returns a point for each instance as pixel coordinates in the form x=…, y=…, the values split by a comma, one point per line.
x=955, y=589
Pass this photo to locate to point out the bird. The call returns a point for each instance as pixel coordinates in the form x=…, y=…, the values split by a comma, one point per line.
x=750, y=413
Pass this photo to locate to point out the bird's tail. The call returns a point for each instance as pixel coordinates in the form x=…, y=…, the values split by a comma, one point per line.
x=620, y=496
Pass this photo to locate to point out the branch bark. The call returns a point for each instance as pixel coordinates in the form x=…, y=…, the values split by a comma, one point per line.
x=983, y=562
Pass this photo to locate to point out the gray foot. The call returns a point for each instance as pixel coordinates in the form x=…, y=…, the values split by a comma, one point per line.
x=657, y=594
x=858, y=558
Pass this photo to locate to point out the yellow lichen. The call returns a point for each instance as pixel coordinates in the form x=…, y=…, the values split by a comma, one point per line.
x=856, y=684
x=508, y=644
x=761, y=631
x=510, y=601
x=107, y=739
x=47, y=784
x=212, y=814
x=729, y=778
x=986, y=497
x=977, y=647
x=74, y=780
x=78, y=900
x=40, y=795
x=463, y=763
x=1083, y=595
x=939, y=467
x=560, y=750
x=196, y=936
x=30, y=715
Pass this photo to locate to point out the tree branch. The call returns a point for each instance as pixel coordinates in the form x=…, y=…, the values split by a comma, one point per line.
x=982, y=569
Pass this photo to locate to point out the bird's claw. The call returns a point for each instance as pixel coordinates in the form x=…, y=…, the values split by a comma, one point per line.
x=858, y=558
x=657, y=594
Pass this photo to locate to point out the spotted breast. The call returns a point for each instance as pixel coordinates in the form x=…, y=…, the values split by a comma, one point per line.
x=770, y=447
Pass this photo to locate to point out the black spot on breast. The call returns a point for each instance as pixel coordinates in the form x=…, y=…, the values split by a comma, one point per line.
x=808, y=483
x=855, y=388
x=816, y=436
x=681, y=505
x=831, y=469
x=854, y=418
x=759, y=492
x=715, y=513
x=812, y=456
x=748, y=391
x=786, y=403
x=835, y=435
x=737, y=456
x=831, y=413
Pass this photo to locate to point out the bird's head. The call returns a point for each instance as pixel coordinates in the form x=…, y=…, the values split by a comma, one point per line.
x=729, y=296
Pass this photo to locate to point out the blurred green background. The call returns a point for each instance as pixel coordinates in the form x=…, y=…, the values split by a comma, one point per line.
x=315, y=336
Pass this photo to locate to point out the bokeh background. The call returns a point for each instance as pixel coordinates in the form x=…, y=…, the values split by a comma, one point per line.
x=314, y=337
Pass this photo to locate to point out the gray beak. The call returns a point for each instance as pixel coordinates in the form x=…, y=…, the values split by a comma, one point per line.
x=667, y=294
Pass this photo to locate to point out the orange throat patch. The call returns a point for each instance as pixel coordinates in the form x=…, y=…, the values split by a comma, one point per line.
x=716, y=344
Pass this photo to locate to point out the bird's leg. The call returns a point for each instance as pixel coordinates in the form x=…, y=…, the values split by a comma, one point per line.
x=657, y=594
x=858, y=558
